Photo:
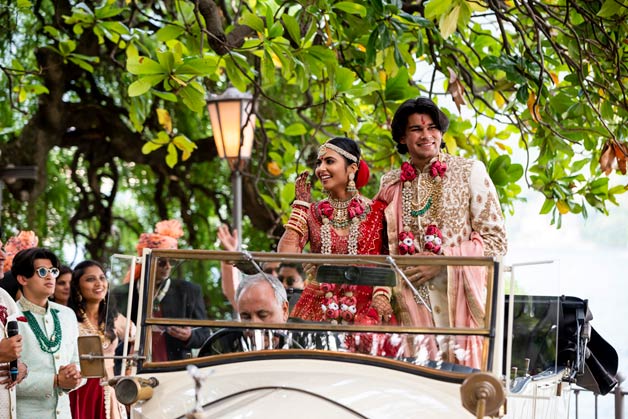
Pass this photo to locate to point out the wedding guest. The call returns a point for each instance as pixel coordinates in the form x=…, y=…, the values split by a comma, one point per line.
x=10, y=349
x=174, y=298
x=230, y=276
x=90, y=301
x=50, y=335
x=23, y=240
x=292, y=276
x=62, y=286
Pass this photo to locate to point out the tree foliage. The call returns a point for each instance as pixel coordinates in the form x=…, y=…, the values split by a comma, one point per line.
x=107, y=99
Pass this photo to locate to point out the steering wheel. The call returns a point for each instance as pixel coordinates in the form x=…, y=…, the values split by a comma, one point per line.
x=220, y=342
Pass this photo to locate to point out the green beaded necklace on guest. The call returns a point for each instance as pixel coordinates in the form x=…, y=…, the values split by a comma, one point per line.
x=53, y=344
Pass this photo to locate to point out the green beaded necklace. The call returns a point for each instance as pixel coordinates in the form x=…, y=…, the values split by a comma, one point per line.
x=53, y=344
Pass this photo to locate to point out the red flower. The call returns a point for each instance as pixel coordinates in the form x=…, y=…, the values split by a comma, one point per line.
x=438, y=168
x=349, y=288
x=327, y=287
x=326, y=209
x=349, y=301
x=347, y=313
x=21, y=319
x=433, y=239
x=3, y=315
x=408, y=172
x=355, y=208
x=330, y=307
x=406, y=243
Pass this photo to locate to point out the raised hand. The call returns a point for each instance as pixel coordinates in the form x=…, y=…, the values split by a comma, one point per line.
x=228, y=240
x=303, y=187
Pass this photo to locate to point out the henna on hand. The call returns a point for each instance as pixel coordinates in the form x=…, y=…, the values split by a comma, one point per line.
x=303, y=187
x=381, y=304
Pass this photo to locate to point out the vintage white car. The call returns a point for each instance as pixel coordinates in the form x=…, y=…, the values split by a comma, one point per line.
x=529, y=356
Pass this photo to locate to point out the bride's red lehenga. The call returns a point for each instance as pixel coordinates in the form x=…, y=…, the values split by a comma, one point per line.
x=323, y=302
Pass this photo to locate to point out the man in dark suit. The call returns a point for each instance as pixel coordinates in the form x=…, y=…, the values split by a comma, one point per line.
x=173, y=298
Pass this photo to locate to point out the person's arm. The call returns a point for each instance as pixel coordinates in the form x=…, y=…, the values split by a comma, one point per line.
x=486, y=215
x=120, y=326
x=230, y=278
x=296, y=235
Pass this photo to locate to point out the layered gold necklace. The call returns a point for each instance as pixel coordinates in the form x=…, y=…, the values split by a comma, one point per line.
x=100, y=331
x=420, y=194
x=347, y=213
x=340, y=218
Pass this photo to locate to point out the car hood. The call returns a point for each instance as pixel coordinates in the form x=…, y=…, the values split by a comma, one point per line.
x=304, y=388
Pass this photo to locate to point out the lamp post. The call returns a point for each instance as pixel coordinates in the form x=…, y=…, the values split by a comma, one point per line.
x=9, y=175
x=233, y=122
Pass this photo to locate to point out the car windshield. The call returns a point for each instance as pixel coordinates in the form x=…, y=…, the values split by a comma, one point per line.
x=363, y=308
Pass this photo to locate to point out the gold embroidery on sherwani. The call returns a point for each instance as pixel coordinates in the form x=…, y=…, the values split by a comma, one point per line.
x=468, y=203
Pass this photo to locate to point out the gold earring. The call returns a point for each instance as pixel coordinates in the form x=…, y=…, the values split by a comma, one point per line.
x=351, y=184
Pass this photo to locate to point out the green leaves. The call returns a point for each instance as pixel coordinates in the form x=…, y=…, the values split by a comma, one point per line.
x=503, y=172
x=351, y=8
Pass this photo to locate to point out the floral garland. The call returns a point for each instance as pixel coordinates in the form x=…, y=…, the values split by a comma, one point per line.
x=407, y=176
x=355, y=211
x=344, y=308
x=339, y=309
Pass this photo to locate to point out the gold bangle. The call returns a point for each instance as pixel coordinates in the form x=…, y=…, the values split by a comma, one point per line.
x=298, y=219
x=381, y=291
x=298, y=212
x=298, y=202
x=294, y=228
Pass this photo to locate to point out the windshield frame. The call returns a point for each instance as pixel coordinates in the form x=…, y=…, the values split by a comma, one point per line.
x=148, y=319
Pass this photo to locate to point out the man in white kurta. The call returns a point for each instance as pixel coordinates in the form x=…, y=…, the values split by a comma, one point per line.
x=49, y=338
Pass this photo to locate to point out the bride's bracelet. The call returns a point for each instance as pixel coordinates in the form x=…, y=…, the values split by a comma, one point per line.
x=385, y=291
x=298, y=203
x=297, y=221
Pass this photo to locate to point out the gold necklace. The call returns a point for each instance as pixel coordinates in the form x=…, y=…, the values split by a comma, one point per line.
x=340, y=219
x=98, y=331
x=353, y=224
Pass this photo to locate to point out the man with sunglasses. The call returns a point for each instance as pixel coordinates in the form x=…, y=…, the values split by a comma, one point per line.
x=50, y=336
x=292, y=275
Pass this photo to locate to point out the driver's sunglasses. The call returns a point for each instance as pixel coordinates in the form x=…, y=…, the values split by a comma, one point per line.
x=43, y=272
x=288, y=280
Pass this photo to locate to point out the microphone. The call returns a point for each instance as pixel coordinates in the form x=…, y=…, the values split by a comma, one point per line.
x=13, y=330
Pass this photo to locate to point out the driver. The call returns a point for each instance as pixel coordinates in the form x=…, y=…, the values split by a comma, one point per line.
x=262, y=299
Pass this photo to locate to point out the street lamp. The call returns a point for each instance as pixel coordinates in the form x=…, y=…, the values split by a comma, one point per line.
x=233, y=122
x=9, y=175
